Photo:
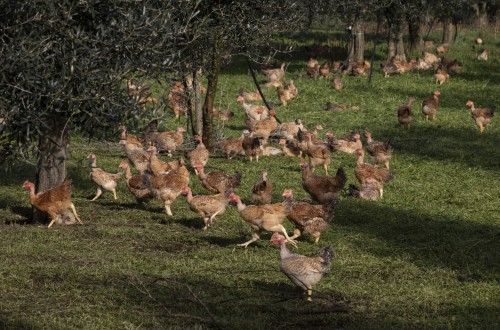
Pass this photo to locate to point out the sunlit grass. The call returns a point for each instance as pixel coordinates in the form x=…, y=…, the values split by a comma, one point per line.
x=426, y=256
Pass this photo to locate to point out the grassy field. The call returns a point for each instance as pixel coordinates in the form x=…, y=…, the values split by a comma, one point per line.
x=426, y=256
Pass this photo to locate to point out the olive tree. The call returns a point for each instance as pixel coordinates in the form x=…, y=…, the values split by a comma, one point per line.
x=63, y=66
x=236, y=28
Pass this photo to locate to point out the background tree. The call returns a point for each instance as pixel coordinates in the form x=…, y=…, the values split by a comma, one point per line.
x=63, y=66
x=236, y=28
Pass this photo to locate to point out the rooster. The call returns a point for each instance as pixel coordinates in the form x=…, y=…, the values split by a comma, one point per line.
x=55, y=202
x=304, y=272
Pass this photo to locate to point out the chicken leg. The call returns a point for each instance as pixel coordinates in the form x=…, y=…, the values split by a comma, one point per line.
x=255, y=237
x=97, y=194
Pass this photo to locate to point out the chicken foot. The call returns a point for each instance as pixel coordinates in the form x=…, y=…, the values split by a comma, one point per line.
x=54, y=217
x=209, y=221
x=255, y=237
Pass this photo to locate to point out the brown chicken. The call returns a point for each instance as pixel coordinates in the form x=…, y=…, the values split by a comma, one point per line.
x=131, y=140
x=250, y=96
x=324, y=70
x=137, y=156
x=290, y=148
x=217, y=181
x=103, y=179
x=177, y=99
x=483, y=55
x=337, y=83
x=364, y=171
x=337, y=107
x=313, y=69
x=289, y=130
x=287, y=92
x=168, y=187
x=308, y=217
x=263, y=128
x=169, y=141
x=274, y=75
x=405, y=113
x=347, y=144
x=138, y=185
x=322, y=189
x=268, y=217
x=222, y=115
x=252, y=146
x=253, y=112
x=317, y=154
x=55, y=202
x=151, y=132
x=380, y=152
x=200, y=154
x=304, y=272
x=430, y=106
x=233, y=147
x=207, y=206
x=482, y=117
x=369, y=191
x=262, y=191
x=441, y=76
x=159, y=167
x=312, y=62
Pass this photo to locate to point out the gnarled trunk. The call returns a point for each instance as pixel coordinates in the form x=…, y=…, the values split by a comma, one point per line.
x=447, y=30
x=416, y=34
x=52, y=157
x=359, y=41
x=208, y=106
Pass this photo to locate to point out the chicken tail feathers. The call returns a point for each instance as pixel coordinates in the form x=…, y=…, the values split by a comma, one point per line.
x=330, y=208
x=353, y=190
x=237, y=179
x=342, y=176
x=327, y=253
x=390, y=176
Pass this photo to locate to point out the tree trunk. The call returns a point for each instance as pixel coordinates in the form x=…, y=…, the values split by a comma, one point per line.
x=391, y=46
x=208, y=106
x=416, y=34
x=400, y=46
x=52, y=156
x=447, y=30
x=359, y=41
x=197, y=101
x=482, y=15
x=191, y=104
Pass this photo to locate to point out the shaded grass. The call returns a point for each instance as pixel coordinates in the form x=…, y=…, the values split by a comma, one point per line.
x=426, y=256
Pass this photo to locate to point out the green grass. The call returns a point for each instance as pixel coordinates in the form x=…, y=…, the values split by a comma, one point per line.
x=426, y=256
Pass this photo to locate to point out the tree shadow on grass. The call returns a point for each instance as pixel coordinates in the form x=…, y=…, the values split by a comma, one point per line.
x=472, y=250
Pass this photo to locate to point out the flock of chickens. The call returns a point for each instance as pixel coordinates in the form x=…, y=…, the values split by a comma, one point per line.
x=156, y=178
